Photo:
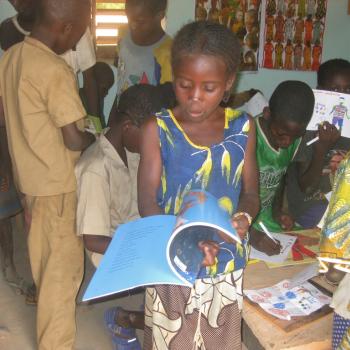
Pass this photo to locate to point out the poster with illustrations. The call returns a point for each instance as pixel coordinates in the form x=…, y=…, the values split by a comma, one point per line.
x=292, y=34
x=243, y=18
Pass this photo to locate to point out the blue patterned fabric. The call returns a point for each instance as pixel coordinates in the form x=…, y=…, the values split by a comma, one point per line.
x=216, y=169
x=341, y=332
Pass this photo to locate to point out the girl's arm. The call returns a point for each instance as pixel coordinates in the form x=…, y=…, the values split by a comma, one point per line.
x=249, y=197
x=150, y=169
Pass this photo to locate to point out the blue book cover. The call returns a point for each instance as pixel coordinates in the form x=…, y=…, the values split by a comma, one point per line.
x=166, y=249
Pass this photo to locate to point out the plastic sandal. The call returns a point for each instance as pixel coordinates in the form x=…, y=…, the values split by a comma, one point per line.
x=123, y=338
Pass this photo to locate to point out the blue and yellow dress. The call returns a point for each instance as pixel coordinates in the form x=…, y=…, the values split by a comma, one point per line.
x=335, y=243
x=170, y=316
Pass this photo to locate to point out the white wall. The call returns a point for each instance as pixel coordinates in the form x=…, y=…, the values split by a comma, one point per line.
x=336, y=44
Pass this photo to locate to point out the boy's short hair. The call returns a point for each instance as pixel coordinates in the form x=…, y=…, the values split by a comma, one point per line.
x=330, y=68
x=103, y=72
x=153, y=6
x=139, y=102
x=293, y=101
x=207, y=38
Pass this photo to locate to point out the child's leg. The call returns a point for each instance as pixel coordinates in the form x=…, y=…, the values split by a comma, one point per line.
x=6, y=247
x=56, y=257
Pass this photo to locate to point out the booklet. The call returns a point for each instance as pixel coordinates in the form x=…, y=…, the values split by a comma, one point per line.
x=332, y=107
x=167, y=249
x=286, y=299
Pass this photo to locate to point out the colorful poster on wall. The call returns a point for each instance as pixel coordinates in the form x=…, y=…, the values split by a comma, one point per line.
x=243, y=18
x=292, y=34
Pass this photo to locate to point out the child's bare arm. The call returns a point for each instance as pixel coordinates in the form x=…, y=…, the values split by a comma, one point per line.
x=96, y=243
x=249, y=197
x=309, y=176
x=76, y=140
x=150, y=169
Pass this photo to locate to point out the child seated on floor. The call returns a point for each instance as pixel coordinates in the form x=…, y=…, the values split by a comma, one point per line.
x=306, y=197
x=107, y=187
x=279, y=133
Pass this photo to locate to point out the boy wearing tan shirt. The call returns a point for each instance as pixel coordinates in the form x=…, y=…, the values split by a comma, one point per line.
x=40, y=106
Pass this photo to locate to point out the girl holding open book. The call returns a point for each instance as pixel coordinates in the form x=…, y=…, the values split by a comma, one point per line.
x=200, y=145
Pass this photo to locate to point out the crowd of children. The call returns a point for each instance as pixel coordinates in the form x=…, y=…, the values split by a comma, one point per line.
x=163, y=140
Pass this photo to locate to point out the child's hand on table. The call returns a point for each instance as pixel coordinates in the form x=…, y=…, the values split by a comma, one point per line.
x=263, y=243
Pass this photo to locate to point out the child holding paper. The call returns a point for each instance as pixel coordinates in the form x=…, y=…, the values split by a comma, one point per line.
x=308, y=182
x=199, y=145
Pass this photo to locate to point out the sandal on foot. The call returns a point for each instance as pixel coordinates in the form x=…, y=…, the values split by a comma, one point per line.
x=123, y=338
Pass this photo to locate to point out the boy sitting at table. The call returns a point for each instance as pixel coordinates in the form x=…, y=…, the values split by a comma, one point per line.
x=279, y=133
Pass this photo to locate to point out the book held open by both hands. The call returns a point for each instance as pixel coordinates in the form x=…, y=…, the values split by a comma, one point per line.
x=167, y=249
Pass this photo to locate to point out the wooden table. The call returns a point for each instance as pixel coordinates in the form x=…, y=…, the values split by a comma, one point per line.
x=259, y=329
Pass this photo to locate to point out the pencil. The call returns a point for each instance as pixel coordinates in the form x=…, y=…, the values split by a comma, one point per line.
x=266, y=231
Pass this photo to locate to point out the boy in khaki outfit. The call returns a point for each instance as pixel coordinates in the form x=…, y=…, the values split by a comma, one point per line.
x=40, y=105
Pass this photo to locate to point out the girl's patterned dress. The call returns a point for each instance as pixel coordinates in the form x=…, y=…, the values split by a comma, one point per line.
x=335, y=243
x=198, y=317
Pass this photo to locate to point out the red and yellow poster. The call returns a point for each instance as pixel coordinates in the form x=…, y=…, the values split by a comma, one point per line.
x=243, y=18
x=293, y=33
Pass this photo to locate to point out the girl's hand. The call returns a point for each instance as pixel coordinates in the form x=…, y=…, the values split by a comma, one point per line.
x=241, y=225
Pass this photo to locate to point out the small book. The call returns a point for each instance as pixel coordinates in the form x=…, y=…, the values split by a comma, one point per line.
x=167, y=249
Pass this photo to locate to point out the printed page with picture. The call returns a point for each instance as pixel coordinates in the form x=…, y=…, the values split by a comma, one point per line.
x=167, y=249
x=285, y=300
x=332, y=107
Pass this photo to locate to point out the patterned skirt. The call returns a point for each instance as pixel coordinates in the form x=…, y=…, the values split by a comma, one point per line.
x=206, y=316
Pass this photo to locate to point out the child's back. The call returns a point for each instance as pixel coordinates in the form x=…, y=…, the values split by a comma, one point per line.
x=41, y=106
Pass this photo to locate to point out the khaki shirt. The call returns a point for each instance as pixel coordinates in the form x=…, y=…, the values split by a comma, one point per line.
x=40, y=96
x=107, y=190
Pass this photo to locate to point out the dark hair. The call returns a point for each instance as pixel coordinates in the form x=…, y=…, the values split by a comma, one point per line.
x=329, y=69
x=139, y=102
x=153, y=6
x=103, y=72
x=292, y=100
x=207, y=38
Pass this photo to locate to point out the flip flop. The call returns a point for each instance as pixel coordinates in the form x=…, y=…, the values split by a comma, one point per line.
x=123, y=338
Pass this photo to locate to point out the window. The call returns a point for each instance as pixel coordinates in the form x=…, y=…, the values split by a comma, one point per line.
x=109, y=19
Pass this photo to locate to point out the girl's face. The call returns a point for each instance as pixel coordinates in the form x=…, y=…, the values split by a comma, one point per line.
x=200, y=82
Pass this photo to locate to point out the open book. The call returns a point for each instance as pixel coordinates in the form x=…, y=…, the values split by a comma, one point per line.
x=167, y=249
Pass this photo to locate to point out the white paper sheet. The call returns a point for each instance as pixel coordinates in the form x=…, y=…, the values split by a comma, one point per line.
x=286, y=245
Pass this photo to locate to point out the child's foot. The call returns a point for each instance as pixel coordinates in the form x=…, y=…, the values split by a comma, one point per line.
x=124, y=338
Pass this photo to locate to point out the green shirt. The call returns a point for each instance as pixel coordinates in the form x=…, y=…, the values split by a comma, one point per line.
x=272, y=165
